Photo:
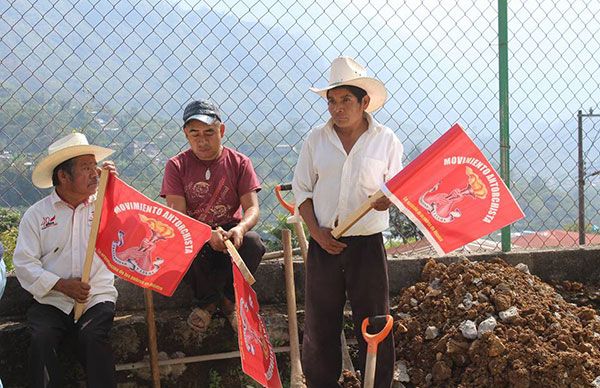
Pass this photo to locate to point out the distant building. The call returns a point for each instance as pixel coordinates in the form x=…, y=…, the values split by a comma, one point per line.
x=423, y=248
x=556, y=238
x=149, y=148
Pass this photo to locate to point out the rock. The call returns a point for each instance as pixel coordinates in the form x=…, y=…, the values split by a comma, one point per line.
x=486, y=326
x=435, y=284
x=495, y=345
x=431, y=332
x=454, y=346
x=468, y=300
x=482, y=297
x=468, y=329
x=440, y=372
x=502, y=300
x=523, y=268
x=596, y=382
x=586, y=314
x=509, y=314
x=585, y=348
x=401, y=372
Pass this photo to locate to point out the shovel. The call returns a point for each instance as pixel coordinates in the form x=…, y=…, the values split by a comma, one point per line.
x=296, y=220
x=373, y=341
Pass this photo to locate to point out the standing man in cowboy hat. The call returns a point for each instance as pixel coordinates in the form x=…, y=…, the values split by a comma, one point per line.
x=341, y=164
x=49, y=256
x=218, y=186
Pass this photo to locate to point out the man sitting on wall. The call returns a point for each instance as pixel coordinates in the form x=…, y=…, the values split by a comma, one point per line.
x=218, y=186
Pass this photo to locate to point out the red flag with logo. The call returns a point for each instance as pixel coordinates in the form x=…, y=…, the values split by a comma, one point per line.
x=144, y=242
x=452, y=193
x=258, y=357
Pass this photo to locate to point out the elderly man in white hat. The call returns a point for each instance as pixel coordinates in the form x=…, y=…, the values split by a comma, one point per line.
x=341, y=164
x=49, y=256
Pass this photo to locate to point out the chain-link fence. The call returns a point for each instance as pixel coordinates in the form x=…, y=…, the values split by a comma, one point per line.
x=122, y=71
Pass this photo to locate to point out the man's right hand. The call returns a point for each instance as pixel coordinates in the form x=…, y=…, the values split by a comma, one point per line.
x=73, y=288
x=217, y=240
x=324, y=238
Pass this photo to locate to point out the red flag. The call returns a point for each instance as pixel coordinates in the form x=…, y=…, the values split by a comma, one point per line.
x=452, y=193
x=144, y=242
x=258, y=357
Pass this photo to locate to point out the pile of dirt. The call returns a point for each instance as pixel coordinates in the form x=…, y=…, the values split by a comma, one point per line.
x=580, y=294
x=488, y=324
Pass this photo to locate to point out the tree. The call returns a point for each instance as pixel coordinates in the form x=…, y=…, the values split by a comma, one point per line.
x=403, y=228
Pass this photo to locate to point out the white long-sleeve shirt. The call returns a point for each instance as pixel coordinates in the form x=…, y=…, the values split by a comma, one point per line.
x=339, y=183
x=52, y=244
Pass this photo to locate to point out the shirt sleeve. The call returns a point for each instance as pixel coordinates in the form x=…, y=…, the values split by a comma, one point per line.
x=27, y=260
x=304, y=175
x=247, y=180
x=172, y=183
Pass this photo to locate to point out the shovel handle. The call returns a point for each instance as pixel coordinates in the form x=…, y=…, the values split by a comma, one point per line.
x=374, y=339
x=284, y=187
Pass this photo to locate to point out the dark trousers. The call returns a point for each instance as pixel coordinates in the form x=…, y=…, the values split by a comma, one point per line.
x=210, y=275
x=49, y=326
x=360, y=272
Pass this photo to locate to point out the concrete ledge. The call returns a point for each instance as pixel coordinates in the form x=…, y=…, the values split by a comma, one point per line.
x=582, y=265
x=175, y=339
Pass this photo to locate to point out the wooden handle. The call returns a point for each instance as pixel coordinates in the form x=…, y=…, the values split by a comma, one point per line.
x=89, y=255
x=357, y=215
x=152, y=341
x=296, y=379
x=301, y=240
x=237, y=259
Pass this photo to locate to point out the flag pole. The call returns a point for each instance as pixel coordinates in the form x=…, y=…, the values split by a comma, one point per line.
x=89, y=255
x=356, y=215
x=237, y=259
x=152, y=346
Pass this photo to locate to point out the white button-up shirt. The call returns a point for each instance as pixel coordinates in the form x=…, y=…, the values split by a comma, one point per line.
x=339, y=183
x=52, y=244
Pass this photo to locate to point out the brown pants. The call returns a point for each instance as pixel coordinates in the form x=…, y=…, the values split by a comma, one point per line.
x=360, y=272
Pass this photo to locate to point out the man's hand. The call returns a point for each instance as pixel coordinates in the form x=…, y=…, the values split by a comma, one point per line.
x=324, y=238
x=110, y=166
x=73, y=288
x=236, y=236
x=382, y=203
x=217, y=240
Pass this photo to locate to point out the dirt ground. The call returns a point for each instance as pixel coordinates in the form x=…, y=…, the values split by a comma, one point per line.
x=488, y=324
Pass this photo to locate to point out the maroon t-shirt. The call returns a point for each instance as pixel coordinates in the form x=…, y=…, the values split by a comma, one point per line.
x=215, y=201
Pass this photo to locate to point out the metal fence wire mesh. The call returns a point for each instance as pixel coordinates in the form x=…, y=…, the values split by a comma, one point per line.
x=122, y=71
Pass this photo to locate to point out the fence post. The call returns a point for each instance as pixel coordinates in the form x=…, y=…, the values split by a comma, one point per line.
x=503, y=97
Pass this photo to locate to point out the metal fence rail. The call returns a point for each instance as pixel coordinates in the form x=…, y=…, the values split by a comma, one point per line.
x=122, y=72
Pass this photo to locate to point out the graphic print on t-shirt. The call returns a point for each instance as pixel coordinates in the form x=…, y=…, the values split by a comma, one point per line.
x=211, y=205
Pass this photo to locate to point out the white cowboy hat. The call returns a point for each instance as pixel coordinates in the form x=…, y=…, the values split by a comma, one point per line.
x=70, y=146
x=346, y=71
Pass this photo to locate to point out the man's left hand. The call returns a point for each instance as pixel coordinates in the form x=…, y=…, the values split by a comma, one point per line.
x=382, y=203
x=110, y=166
x=236, y=236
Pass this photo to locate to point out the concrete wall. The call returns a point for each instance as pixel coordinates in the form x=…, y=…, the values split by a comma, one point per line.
x=129, y=336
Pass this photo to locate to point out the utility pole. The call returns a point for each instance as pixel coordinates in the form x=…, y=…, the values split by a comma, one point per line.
x=581, y=172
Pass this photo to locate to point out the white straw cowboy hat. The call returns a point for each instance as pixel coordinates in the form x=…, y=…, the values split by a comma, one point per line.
x=346, y=71
x=70, y=146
